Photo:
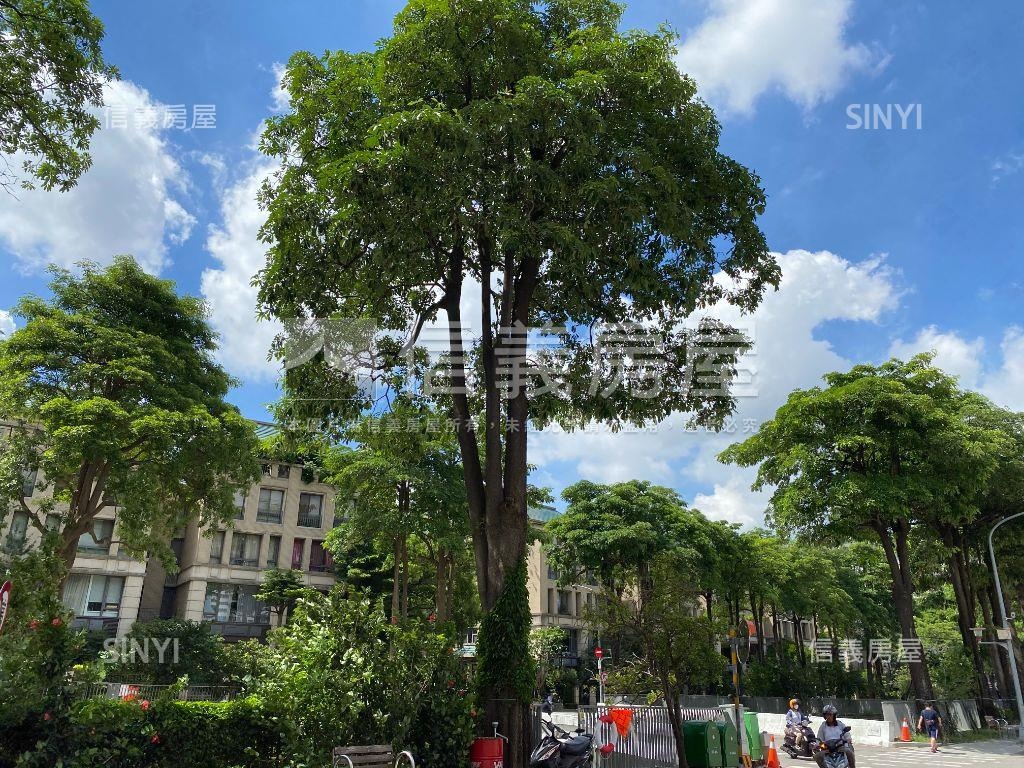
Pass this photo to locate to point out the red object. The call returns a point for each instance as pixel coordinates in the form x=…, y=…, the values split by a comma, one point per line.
x=155, y=738
x=598, y=653
x=145, y=705
x=622, y=718
x=34, y=624
x=606, y=719
x=773, y=755
x=905, y=731
x=487, y=753
x=56, y=622
x=607, y=749
x=47, y=716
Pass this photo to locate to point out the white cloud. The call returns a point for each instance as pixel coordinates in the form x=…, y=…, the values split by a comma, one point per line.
x=1007, y=165
x=1001, y=379
x=734, y=502
x=953, y=354
x=6, y=323
x=127, y=202
x=815, y=288
x=228, y=291
x=279, y=94
x=748, y=47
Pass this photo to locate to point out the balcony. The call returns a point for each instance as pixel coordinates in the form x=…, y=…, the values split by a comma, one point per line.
x=245, y=562
x=236, y=630
x=268, y=516
x=106, y=626
x=309, y=518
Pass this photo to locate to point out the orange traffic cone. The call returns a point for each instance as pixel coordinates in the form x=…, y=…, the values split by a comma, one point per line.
x=773, y=756
x=905, y=732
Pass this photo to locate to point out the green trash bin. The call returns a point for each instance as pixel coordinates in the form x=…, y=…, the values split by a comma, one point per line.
x=752, y=734
x=703, y=744
x=730, y=744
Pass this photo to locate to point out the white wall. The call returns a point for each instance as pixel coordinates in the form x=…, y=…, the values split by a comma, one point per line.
x=875, y=733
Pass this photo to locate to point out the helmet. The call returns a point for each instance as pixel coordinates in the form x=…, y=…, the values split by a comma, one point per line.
x=829, y=709
x=794, y=703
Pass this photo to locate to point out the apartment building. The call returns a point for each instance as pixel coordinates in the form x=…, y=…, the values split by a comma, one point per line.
x=281, y=522
x=557, y=605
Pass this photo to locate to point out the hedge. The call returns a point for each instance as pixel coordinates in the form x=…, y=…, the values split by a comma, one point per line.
x=171, y=734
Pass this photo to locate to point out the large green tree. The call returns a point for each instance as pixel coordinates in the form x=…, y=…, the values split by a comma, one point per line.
x=877, y=452
x=403, y=482
x=51, y=83
x=530, y=164
x=638, y=539
x=117, y=401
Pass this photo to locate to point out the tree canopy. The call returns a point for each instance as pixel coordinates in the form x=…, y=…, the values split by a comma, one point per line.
x=878, y=451
x=117, y=401
x=51, y=83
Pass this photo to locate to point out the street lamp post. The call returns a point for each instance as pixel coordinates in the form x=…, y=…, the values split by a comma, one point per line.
x=1008, y=643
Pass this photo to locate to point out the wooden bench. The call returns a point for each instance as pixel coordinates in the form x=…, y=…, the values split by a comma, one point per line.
x=375, y=756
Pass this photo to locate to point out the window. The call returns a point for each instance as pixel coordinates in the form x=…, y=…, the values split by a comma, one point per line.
x=271, y=505
x=319, y=558
x=103, y=530
x=572, y=641
x=552, y=574
x=310, y=510
x=551, y=601
x=234, y=603
x=273, y=551
x=308, y=475
x=283, y=470
x=298, y=549
x=239, y=505
x=564, y=603
x=579, y=603
x=17, y=533
x=53, y=522
x=28, y=481
x=265, y=469
x=95, y=596
x=245, y=549
x=217, y=548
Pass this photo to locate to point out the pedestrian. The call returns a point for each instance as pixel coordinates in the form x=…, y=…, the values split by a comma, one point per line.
x=930, y=721
x=549, y=703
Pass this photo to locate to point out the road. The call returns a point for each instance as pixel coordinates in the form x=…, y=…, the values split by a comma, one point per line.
x=968, y=755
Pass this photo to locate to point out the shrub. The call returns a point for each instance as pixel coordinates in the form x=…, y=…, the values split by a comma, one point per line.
x=200, y=654
x=161, y=734
x=442, y=730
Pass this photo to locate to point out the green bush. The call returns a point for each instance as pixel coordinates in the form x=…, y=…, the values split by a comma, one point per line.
x=442, y=730
x=161, y=734
x=343, y=674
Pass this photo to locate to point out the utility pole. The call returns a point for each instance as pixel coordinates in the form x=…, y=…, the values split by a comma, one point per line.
x=1008, y=641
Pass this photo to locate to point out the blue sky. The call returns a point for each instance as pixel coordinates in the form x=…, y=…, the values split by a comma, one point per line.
x=891, y=240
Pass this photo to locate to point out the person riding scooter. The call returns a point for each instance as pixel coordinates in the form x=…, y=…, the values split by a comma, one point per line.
x=795, y=720
x=834, y=729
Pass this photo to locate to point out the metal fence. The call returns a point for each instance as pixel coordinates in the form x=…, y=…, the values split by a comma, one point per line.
x=133, y=692
x=649, y=743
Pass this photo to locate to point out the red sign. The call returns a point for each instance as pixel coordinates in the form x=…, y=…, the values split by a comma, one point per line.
x=598, y=653
x=5, y=600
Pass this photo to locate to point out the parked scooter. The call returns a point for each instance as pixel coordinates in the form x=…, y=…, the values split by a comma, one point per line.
x=799, y=747
x=836, y=757
x=560, y=749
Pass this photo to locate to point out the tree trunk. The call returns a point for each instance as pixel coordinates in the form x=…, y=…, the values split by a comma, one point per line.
x=396, y=580
x=965, y=613
x=894, y=542
x=442, y=586
x=995, y=658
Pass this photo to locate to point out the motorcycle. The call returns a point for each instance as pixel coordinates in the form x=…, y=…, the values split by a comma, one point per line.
x=560, y=749
x=806, y=747
x=836, y=757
